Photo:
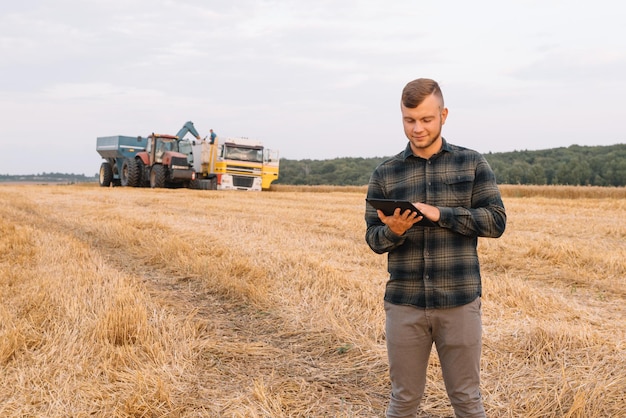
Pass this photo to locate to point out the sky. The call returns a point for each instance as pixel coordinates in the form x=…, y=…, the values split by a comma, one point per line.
x=311, y=79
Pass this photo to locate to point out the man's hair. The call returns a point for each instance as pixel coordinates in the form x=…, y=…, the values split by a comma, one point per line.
x=416, y=91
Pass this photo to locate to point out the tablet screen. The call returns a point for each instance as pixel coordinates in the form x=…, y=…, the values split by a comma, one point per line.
x=388, y=206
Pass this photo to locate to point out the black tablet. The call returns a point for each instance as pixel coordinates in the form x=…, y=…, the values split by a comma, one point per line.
x=388, y=206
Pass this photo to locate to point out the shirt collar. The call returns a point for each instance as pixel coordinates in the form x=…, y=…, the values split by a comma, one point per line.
x=408, y=152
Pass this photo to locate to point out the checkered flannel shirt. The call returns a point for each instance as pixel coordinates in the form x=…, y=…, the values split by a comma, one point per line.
x=436, y=267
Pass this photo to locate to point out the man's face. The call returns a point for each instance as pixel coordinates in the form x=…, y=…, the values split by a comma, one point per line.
x=422, y=126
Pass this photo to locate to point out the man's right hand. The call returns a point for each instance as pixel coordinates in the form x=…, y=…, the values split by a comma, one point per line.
x=399, y=223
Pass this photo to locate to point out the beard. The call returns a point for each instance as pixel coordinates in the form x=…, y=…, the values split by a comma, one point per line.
x=432, y=138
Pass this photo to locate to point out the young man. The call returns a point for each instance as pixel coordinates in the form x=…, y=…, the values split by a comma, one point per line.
x=434, y=289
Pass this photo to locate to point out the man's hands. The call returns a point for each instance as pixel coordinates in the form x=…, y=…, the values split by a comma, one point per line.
x=399, y=223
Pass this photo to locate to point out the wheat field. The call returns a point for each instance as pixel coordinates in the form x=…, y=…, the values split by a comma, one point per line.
x=123, y=302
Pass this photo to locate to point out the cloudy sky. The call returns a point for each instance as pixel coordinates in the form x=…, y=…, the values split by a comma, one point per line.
x=313, y=79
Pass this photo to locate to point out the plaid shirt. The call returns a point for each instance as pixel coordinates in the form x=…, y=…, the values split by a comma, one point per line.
x=436, y=267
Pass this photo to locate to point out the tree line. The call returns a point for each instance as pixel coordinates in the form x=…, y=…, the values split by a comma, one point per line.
x=47, y=178
x=574, y=165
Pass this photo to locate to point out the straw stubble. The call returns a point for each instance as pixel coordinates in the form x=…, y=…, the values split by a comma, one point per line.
x=138, y=302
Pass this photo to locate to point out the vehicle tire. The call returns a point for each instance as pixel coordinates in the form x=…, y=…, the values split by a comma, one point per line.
x=133, y=172
x=157, y=176
x=106, y=175
x=124, y=172
x=200, y=184
x=195, y=184
x=145, y=174
x=143, y=178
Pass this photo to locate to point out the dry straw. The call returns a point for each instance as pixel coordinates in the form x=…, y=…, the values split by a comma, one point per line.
x=124, y=302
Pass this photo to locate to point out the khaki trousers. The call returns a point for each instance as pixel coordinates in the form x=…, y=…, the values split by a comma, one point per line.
x=457, y=335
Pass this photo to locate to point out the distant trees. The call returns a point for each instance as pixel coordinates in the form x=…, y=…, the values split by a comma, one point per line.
x=48, y=177
x=574, y=165
x=337, y=172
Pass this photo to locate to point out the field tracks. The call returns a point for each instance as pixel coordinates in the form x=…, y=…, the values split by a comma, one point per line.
x=180, y=303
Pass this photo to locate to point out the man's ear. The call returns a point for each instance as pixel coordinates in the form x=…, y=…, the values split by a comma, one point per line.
x=444, y=115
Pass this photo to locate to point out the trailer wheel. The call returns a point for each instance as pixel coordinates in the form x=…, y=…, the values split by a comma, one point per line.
x=157, y=176
x=106, y=174
x=124, y=173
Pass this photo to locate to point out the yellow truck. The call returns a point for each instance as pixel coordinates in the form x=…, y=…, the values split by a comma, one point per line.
x=229, y=164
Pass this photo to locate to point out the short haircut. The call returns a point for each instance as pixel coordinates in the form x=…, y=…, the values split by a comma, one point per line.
x=416, y=91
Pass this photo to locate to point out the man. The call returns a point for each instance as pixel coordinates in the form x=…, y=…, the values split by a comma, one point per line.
x=212, y=137
x=434, y=289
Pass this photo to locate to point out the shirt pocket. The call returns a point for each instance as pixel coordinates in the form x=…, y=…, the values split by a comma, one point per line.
x=458, y=188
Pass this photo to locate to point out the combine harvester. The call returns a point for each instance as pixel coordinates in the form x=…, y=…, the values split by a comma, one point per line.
x=174, y=161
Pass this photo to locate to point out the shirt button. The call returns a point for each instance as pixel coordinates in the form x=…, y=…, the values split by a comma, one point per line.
x=427, y=277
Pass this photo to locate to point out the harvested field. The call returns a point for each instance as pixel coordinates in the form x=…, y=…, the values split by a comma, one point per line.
x=123, y=302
